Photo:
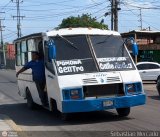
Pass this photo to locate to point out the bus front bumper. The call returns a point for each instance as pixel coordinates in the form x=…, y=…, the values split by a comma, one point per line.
x=71, y=106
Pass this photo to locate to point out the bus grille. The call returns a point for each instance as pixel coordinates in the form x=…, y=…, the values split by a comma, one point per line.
x=113, y=79
x=103, y=90
x=90, y=81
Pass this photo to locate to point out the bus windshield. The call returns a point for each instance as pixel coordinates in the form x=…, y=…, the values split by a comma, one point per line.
x=94, y=53
x=111, y=53
x=74, y=61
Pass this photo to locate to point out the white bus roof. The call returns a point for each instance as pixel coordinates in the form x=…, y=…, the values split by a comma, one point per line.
x=81, y=31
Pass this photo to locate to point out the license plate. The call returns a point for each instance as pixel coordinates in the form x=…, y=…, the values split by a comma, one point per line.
x=107, y=103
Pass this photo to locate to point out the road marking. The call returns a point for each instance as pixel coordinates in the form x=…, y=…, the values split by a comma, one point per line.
x=10, y=122
x=13, y=125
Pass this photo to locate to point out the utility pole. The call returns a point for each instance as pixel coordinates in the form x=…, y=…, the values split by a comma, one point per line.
x=19, y=17
x=114, y=14
x=140, y=20
x=2, y=44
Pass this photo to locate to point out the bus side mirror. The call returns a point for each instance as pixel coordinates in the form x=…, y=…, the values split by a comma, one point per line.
x=51, y=50
x=135, y=49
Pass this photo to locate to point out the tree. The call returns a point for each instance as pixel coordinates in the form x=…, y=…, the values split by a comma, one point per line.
x=82, y=21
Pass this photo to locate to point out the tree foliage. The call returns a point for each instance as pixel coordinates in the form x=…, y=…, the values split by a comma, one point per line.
x=82, y=21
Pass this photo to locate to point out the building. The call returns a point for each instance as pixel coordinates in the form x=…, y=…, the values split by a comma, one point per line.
x=9, y=56
x=148, y=42
x=10, y=52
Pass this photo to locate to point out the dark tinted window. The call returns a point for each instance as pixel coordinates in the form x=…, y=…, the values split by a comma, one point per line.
x=111, y=53
x=153, y=66
x=143, y=66
x=65, y=51
x=147, y=66
x=108, y=46
x=91, y=53
x=71, y=60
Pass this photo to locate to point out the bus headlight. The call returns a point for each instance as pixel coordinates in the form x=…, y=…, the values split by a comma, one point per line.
x=133, y=88
x=130, y=88
x=72, y=94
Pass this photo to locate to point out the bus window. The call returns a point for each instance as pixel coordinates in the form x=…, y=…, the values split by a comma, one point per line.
x=24, y=46
x=29, y=56
x=31, y=47
x=24, y=55
x=81, y=59
x=18, y=54
x=111, y=53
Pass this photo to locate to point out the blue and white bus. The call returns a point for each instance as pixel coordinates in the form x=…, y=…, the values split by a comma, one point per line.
x=86, y=70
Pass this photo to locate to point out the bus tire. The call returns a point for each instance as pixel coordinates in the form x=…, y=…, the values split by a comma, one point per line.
x=30, y=102
x=65, y=116
x=123, y=112
x=54, y=106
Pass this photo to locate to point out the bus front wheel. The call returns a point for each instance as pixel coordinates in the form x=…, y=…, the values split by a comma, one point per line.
x=123, y=112
x=65, y=116
x=30, y=102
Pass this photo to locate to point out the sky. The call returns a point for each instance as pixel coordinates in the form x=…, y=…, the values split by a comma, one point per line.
x=44, y=15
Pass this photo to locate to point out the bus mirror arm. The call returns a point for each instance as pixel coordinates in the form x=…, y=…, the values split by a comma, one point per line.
x=134, y=45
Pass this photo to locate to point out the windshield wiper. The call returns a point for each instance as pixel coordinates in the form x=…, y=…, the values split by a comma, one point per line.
x=105, y=39
x=70, y=43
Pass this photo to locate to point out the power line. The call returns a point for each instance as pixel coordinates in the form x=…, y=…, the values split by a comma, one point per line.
x=2, y=8
x=64, y=13
x=67, y=5
x=60, y=2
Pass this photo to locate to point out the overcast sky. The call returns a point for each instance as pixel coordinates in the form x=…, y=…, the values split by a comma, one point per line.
x=42, y=15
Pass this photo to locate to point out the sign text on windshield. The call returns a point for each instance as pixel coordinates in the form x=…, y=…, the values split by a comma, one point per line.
x=70, y=66
x=114, y=63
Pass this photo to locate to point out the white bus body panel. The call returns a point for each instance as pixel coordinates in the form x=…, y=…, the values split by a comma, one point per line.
x=81, y=31
x=100, y=78
x=53, y=89
x=25, y=81
x=76, y=81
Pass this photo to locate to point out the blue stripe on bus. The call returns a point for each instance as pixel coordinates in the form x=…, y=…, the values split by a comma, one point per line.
x=71, y=106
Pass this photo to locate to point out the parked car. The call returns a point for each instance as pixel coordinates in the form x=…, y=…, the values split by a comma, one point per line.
x=149, y=71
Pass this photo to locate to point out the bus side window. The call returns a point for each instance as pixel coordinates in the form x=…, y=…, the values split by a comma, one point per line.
x=18, y=54
x=24, y=55
x=31, y=47
x=48, y=62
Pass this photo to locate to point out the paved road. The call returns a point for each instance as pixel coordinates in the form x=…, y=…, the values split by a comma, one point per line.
x=144, y=118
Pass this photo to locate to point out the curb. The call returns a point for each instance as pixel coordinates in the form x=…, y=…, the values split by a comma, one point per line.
x=13, y=126
x=10, y=122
